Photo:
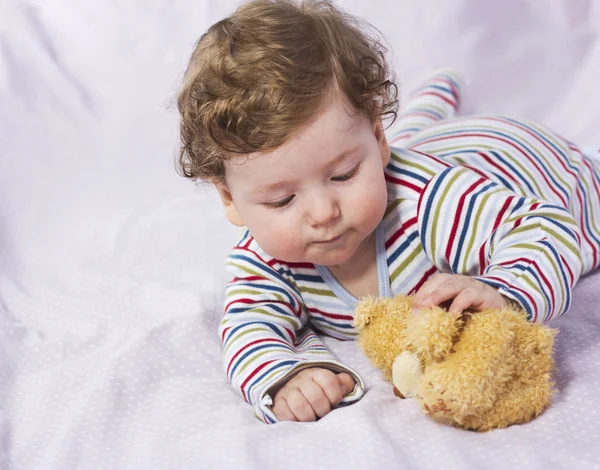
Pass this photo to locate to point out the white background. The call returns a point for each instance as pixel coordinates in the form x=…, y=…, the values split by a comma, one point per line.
x=111, y=265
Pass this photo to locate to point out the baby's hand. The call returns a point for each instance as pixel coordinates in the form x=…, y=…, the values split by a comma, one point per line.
x=466, y=292
x=310, y=394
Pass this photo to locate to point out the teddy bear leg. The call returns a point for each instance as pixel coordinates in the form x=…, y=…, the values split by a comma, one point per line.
x=530, y=389
x=518, y=405
x=477, y=370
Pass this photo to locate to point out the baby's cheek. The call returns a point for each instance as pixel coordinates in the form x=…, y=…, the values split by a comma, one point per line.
x=280, y=242
x=370, y=201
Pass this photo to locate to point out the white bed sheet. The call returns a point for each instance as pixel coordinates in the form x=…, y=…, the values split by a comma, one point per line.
x=111, y=265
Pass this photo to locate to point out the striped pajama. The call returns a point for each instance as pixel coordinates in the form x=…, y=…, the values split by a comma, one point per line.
x=506, y=201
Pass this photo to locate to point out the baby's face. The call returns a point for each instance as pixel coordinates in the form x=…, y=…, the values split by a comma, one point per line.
x=319, y=195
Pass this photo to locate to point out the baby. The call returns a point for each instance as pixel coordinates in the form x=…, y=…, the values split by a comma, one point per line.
x=282, y=109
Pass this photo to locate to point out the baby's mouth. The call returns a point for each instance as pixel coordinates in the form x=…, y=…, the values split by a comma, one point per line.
x=330, y=240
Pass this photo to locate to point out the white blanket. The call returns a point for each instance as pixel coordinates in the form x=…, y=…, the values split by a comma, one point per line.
x=111, y=265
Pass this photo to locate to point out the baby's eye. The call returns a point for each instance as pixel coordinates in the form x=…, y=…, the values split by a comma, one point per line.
x=346, y=176
x=281, y=203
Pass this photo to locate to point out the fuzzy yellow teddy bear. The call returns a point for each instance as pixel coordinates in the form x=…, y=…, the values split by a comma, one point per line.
x=477, y=371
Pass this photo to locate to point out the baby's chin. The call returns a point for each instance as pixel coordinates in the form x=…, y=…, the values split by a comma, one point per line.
x=322, y=260
x=336, y=253
x=339, y=255
x=332, y=258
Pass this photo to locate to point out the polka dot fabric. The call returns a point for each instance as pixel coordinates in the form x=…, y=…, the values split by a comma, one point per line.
x=111, y=266
x=157, y=398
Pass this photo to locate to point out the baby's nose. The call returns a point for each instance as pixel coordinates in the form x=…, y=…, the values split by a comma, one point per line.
x=323, y=211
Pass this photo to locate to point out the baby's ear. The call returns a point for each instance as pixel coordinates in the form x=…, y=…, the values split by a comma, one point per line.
x=231, y=211
x=433, y=332
x=384, y=148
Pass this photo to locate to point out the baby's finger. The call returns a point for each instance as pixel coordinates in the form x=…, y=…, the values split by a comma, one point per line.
x=478, y=299
x=347, y=383
x=282, y=410
x=300, y=406
x=423, y=296
x=330, y=384
x=467, y=298
x=316, y=397
x=447, y=290
x=427, y=288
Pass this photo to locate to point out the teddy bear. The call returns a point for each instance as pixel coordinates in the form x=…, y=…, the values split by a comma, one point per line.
x=476, y=371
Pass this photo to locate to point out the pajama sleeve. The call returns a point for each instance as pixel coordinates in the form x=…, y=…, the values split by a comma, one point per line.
x=526, y=248
x=265, y=333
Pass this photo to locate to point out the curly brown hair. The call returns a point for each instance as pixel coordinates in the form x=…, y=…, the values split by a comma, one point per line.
x=257, y=76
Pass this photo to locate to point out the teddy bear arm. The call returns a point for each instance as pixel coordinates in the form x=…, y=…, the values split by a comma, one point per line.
x=382, y=330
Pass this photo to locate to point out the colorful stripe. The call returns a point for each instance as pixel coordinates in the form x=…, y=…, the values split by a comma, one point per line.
x=505, y=201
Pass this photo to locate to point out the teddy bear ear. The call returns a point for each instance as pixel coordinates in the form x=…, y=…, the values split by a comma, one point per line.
x=367, y=308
